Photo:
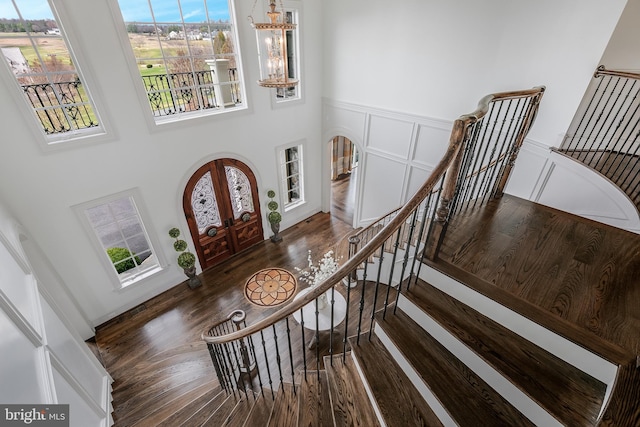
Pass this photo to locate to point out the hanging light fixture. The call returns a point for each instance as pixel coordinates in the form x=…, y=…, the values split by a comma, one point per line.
x=272, y=48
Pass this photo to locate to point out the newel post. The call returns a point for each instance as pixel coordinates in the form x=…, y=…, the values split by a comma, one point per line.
x=441, y=219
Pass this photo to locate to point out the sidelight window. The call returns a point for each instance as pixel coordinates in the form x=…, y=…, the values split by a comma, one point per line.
x=291, y=177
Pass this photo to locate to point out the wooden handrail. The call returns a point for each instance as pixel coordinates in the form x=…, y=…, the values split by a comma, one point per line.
x=459, y=136
x=602, y=71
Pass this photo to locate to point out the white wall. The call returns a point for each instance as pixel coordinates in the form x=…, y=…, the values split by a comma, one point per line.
x=437, y=58
x=42, y=187
x=44, y=359
x=407, y=67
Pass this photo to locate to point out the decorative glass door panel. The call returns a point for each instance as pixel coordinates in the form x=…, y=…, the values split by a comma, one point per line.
x=222, y=209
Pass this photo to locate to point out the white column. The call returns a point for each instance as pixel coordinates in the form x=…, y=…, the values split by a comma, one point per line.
x=221, y=88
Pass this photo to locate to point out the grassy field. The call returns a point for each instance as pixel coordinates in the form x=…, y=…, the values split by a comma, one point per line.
x=144, y=46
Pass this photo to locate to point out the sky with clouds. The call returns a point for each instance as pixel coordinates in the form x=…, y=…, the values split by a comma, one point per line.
x=132, y=10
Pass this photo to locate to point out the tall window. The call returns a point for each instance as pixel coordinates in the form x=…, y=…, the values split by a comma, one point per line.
x=293, y=92
x=291, y=176
x=123, y=239
x=187, y=55
x=40, y=60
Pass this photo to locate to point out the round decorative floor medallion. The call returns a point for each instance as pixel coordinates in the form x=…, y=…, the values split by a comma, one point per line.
x=270, y=287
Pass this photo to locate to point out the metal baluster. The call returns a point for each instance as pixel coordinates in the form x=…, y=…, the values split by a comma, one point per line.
x=266, y=362
x=393, y=264
x=617, y=122
x=362, y=294
x=278, y=359
x=332, y=302
x=258, y=373
x=317, y=341
x=290, y=354
x=375, y=297
x=304, y=346
x=568, y=149
x=346, y=324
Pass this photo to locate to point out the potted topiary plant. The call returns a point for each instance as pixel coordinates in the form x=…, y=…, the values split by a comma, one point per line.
x=274, y=216
x=186, y=259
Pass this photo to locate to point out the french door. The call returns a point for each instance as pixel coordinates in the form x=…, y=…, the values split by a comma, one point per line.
x=222, y=208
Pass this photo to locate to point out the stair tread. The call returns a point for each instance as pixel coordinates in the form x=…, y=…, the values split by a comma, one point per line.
x=197, y=402
x=350, y=402
x=202, y=414
x=400, y=403
x=467, y=398
x=587, y=339
x=241, y=411
x=314, y=408
x=217, y=417
x=571, y=395
x=166, y=395
x=285, y=407
x=261, y=409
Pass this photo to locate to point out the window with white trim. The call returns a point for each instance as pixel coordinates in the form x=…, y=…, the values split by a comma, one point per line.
x=38, y=56
x=293, y=92
x=291, y=177
x=123, y=240
x=187, y=54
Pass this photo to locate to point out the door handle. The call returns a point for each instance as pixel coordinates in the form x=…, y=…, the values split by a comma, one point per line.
x=226, y=223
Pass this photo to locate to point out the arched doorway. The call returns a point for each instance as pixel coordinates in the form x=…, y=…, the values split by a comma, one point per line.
x=344, y=162
x=222, y=208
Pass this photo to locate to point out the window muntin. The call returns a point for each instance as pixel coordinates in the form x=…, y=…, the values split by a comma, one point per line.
x=39, y=58
x=291, y=177
x=187, y=55
x=293, y=92
x=119, y=229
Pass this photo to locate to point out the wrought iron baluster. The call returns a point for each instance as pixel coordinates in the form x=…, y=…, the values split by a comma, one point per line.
x=375, y=296
x=266, y=363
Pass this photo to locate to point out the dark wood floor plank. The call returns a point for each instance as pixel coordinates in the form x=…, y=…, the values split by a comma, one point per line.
x=285, y=408
x=468, y=399
x=350, y=402
x=577, y=269
x=193, y=402
x=572, y=396
x=314, y=407
x=199, y=416
x=217, y=418
x=261, y=410
x=239, y=414
x=400, y=403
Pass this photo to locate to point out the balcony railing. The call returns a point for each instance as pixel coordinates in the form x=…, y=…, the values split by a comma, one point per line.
x=60, y=107
x=64, y=106
x=191, y=91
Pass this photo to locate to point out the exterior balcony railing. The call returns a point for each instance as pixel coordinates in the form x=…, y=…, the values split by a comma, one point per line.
x=64, y=106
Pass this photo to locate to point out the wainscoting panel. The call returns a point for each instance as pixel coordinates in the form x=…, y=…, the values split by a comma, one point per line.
x=383, y=177
x=390, y=136
x=400, y=150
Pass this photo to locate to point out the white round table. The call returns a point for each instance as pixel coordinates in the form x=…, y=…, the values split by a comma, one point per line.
x=324, y=314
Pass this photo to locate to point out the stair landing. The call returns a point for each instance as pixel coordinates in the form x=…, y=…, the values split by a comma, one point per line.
x=581, y=271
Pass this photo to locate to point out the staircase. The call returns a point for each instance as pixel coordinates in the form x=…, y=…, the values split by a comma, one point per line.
x=432, y=360
x=433, y=351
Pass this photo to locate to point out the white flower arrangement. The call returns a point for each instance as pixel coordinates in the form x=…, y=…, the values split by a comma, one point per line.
x=316, y=274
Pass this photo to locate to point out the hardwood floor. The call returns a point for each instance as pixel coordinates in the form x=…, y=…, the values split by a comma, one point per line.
x=343, y=193
x=154, y=352
x=582, y=271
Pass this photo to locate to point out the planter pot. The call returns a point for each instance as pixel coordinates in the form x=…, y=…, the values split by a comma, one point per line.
x=275, y=227
x=194, y=280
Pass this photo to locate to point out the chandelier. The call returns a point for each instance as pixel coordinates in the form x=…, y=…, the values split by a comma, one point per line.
x=272, y=48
